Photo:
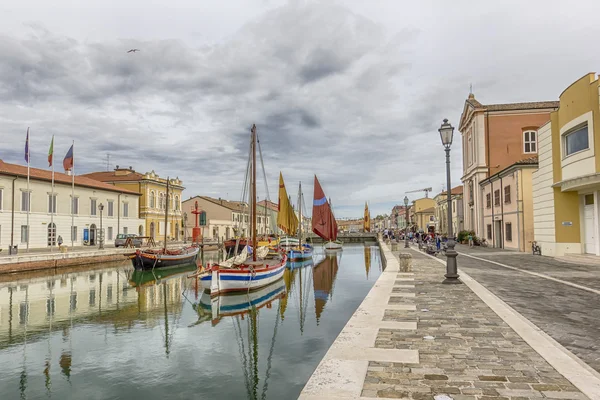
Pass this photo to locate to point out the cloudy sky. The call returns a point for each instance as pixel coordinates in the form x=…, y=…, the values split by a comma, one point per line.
x=353, y=91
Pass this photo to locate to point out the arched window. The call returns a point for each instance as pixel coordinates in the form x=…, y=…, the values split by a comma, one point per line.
x=176, y=203
x=161, y=201
x=152, y=199
x=170, y=203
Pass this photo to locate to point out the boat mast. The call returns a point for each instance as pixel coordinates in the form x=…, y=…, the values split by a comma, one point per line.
x=300, y=214
x=253, y=189
x=166, y=216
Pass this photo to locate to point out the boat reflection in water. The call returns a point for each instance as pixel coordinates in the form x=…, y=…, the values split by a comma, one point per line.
x=324, y=274
x=244, y=308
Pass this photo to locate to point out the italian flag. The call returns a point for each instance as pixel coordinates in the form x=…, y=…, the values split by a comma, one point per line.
x=51, y=152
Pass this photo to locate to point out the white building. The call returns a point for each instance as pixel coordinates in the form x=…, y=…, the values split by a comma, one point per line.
x=50, y=210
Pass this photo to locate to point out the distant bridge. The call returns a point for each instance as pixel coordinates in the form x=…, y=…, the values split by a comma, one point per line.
x=361, y=237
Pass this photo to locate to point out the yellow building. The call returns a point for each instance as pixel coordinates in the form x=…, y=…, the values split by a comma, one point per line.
x=423, y=213
x=153, y=200
x=566, y=186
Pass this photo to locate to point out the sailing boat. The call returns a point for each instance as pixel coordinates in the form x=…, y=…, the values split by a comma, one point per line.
x=150, y=259
x=303, y=251
x=323, y=220
x=367, y=219
x=243, y=273
x=287, y=220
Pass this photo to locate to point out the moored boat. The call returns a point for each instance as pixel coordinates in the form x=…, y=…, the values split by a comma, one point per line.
x=241, y=273
x=323, y=220
x=151, y=258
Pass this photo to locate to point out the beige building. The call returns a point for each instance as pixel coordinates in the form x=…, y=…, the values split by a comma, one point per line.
x=508, y=206
x=50, y=209
x=224, y=219
x=423, y=213
x=441, y=211
x=567, y=184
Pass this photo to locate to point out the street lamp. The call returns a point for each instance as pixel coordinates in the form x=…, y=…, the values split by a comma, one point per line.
x=101, y=208
x=406, y=222
x=446, y=133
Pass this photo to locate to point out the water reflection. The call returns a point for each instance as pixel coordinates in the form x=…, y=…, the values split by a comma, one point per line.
x=99, y=331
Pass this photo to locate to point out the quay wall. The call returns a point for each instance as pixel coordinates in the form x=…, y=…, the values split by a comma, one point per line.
x=36, y=262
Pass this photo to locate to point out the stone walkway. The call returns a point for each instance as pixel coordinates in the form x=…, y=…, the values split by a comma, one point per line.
x=416, y=339
x=465, y=350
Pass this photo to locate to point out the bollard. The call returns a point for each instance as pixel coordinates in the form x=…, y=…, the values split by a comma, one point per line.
x=394, y=246
x=405, y=262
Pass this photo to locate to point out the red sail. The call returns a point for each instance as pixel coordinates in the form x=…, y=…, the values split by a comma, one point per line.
x=323, y=221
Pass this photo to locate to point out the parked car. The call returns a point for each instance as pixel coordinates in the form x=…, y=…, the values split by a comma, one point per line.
x=122, y=239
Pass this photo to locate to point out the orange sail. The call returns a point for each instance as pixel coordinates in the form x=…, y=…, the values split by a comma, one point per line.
x=323, y=220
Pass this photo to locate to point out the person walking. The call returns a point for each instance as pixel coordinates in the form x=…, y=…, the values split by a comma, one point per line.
x=60, y=241
x=470, y=237
x=438, y=242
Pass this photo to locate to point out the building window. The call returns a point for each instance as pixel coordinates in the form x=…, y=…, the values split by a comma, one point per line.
x=24, y=233
x=75, y=205
x=74, y=233
x=507, y=194
x=497, y=197
x=508, y=231
x=110, y=208
x=152, y=199
x=92, y=298
x=25, y=201
x=125, y=230
x=488, y=200
x=576, y=140
x=530, y=142
x=588, y=199
x=126, y=210
x=93, y=207
x=489, y=231
x=161, y=201
x=109, y=232
x=203, y=218
x=176, y=203
x=1, y=193
x=52, y=203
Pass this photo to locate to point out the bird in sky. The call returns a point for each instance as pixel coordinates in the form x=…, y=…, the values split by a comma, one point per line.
x=133, y=50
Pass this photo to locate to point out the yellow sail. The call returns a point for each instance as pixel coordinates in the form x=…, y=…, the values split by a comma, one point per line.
x=287, y=220
x=367, y=222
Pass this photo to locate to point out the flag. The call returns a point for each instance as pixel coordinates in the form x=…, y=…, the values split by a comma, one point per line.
x=68, y=161
x=51, y=152
x=27, y=147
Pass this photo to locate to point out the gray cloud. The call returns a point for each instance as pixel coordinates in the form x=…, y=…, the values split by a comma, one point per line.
x=352, y=93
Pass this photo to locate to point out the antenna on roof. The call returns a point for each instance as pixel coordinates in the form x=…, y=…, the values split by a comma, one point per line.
x=470, y=88
x=107, y=161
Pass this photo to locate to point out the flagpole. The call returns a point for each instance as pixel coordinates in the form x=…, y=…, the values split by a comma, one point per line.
x=73, y=196
x=53, y=209
x=28, y=193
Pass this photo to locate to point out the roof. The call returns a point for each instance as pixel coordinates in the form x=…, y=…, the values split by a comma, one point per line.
x=59, y=177
x=232, y=205
x=270, y=205
x=111, y=176
x=522, y=106
x=455, y=191
x=531, y=161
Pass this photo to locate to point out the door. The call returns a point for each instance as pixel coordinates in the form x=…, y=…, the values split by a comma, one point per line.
x=51, y=234
x=498, y=234
x=588, y=218
x=93, y=235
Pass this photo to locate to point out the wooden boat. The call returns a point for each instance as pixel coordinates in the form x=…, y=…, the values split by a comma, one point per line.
x=323, y=220
x=252, y=272
x=241, y=242
x=151, y=259
x=301, y=251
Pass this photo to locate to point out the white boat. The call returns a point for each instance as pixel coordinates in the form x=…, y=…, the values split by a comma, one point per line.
x=333, y=245
x=243, y=273
x=289, y=242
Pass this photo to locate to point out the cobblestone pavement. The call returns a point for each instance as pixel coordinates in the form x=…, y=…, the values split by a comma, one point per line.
x=571, y=316
x=465, y=350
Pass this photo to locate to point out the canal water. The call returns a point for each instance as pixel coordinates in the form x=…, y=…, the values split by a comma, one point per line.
x=109, y=332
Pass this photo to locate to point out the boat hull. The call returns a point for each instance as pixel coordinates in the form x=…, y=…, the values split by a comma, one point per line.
x=243, y=279
x=299, y=255
x=147, y=260
x=336, y=245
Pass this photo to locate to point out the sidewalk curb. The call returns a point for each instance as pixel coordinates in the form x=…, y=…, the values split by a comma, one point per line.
x=581, y=375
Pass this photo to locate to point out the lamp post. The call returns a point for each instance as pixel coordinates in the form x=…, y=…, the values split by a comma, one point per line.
x=446, y=133
x=101, y=241
x=406, y=222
